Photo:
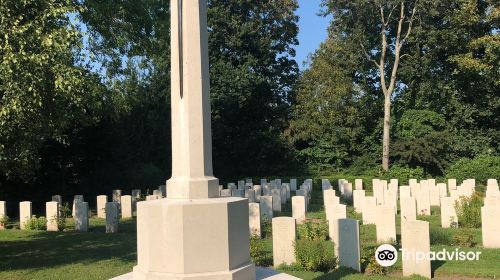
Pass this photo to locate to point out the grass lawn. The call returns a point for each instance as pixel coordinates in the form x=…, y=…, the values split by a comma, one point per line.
x=26, y=255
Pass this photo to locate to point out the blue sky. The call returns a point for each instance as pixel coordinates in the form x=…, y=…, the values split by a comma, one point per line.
x=312, y=29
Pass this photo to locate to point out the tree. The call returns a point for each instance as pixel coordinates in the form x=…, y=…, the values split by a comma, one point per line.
x=357, y=19
x=44, y=96
x=327, y=122
x=251, y=69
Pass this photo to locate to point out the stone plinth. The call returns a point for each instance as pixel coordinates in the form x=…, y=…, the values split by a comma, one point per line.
x=204, y=239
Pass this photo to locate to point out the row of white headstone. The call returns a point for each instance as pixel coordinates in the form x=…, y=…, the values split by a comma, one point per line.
x=121, y=205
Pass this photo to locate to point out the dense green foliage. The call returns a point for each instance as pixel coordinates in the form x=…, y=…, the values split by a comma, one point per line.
x=481, y=168
x=85, y=94
x=444, y=108
x=315, y=255
x=259, y=255
x=36, y=223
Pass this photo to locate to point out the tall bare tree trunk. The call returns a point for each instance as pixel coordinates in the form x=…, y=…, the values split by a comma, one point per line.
x=387, y=130
x=388, y=88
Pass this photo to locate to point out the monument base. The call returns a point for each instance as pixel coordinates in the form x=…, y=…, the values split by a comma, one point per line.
x=261, y=273
x=245, y=272
x=196, y=239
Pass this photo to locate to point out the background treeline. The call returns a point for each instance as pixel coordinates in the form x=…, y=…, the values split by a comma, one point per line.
x=85, y=93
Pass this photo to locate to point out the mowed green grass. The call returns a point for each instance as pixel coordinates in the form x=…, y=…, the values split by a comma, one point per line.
x=68, y=255
x=26, y=255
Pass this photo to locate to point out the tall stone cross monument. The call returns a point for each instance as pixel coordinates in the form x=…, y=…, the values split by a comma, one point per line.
x=193, y=234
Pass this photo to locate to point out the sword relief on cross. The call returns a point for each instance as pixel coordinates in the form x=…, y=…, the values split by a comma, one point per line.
x=181, y=47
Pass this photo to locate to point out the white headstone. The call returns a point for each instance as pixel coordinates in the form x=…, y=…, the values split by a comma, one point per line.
x=126, y=206
x=254, y=219
x=24, y=213
x=404, y=191
x=385, y=222
x=490, y=226
x=358, y=184
x=415, y=240
x=448, y=213
x=283, y=240
x=423, y=202
x=101, y=206
x=358, y=200
x=3, y=212
x=266, y=207
x=408, y=208
x=369, y=210
x=52, y=215
x=299, y=209
x=452, y=184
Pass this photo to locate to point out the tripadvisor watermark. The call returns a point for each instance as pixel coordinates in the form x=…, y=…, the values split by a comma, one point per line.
x=387, y=255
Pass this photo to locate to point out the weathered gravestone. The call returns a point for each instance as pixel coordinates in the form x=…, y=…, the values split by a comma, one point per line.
x=250, y=194
x=225, y=193
x=112, y=217
x=283, y=240
x=293, y=184
x=258, y=192
x=57, y=198
x=82, y=216
x=76, y=198
x=117, y=194
x=349, y=249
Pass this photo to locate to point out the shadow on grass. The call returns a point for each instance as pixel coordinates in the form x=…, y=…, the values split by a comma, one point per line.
x=41, y=249
x=435, y=265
